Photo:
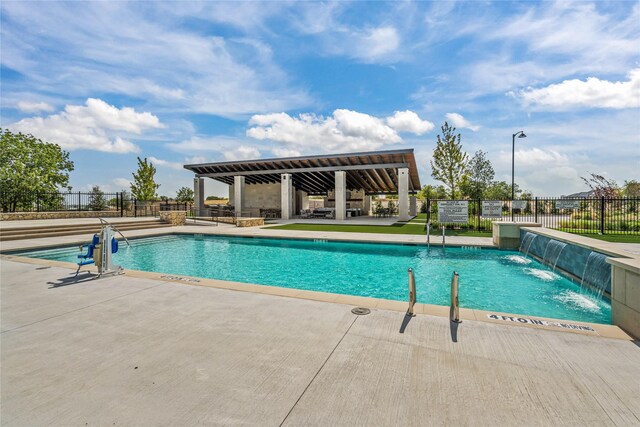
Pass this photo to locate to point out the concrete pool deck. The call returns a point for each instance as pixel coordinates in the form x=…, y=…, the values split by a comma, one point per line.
x=135, y=351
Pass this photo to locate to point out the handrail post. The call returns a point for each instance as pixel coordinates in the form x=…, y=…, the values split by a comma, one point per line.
x=428, y=233
x=412, y=292
x=443, y=238
x=455, y=308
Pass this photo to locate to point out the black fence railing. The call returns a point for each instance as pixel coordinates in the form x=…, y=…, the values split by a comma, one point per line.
x=585, y=216
x=62, y=201
x=118, y=204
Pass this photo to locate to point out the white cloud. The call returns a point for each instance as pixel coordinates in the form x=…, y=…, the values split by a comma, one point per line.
x=194, y=160
x=166, y=163
x=34, y=107
x=460, y=122
x=344, y=131
x=242, y=152
x=122, y=184
x=376, y=43
x=408, y=121
x=178, y=69
x=592, y=93
x=285, y=152
x=228, y=148
x=94, y=126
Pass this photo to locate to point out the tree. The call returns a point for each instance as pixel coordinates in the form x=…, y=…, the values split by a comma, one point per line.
x=432, y=192
x=144, y=186
x=500, y=190
x=30, y=167
x=222, y=198
x=479, y=176
x=631, y=188
x=97, y=201
x=184, y=194
x=449, y=161
x=601, y=186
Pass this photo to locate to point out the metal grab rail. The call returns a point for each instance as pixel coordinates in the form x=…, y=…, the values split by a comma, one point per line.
x=428, y=225
x=412, y=292
x=455, y=306
x=443, y=236
x=104, y=221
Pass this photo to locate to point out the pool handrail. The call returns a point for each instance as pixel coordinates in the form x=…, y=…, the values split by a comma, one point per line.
x=412, y=292
x=455, y=306
x=104, y=221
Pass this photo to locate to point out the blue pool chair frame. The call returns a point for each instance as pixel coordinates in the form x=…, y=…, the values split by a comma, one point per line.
x=87, y=258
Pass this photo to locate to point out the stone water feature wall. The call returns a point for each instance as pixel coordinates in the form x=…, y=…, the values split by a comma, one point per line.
x=572, y=259
x=174, y=217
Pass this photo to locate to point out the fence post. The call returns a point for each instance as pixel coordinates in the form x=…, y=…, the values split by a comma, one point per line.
x=479, y=213
x=135, y=208
x=38, y=202
x=602, y=215
x=428, y=210
x=79, y=200
x=535, y=208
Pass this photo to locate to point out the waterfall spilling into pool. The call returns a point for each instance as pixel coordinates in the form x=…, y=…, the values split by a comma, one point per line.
x=597, y=273
x=526, y=241
x=587, y=267
x=552, y=252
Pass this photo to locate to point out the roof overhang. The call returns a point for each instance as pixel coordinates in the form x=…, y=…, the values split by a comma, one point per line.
x=376, y=172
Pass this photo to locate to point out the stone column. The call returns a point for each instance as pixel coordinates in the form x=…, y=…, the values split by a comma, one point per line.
x=238, y=194
x=341, y=195
x=403, y=194
x=413, y=205
x=366, y=210
x=286, y=201
x=198, y=195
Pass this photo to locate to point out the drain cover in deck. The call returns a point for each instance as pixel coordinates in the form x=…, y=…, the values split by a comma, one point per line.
x=360, y=311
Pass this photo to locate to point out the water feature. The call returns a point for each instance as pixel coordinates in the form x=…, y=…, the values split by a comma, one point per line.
x=526, y=242
x=552, y=252
x=597, y=273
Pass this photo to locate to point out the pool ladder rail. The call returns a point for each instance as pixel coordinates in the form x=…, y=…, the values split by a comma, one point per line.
x=455, y=304
x=412, y=292
x=428, y=228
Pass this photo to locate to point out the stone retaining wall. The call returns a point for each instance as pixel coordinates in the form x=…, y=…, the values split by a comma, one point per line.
x=249, y=222
x=20, y=216
x=174, y=217
x=242, y=222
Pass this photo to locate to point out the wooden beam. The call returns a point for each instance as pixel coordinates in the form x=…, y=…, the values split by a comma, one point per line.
x=295, y=170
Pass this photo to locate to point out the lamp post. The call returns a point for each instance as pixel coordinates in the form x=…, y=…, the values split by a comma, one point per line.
x=519, y=134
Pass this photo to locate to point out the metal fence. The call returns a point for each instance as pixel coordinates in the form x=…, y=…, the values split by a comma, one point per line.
x=120, y=203
x=62, y=201
x=584, y=216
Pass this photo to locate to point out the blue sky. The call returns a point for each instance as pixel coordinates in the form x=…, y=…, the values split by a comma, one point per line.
x=186, y=82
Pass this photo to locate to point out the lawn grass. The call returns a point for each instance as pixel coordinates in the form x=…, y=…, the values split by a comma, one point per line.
x=414, y=228
x=613, y=238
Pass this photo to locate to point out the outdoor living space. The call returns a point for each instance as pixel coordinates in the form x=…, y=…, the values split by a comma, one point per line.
x=104, y=352
x=280, y=188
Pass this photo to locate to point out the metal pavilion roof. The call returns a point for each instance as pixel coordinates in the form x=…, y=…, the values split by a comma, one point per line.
x=375, y=171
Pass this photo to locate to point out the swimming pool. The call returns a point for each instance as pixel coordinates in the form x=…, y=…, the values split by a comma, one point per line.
x=490, y=279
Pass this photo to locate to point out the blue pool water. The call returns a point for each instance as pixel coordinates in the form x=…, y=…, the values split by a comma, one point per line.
x=490, y=279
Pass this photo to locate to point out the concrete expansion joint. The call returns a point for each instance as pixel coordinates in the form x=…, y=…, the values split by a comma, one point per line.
x=355, y=317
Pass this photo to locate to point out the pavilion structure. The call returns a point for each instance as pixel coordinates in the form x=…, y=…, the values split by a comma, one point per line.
x=346, y=181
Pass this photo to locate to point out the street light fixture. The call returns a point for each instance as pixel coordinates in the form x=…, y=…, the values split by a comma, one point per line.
x=519, y=134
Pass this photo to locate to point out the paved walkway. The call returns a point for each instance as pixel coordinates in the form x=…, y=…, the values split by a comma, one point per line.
x=133, y=351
